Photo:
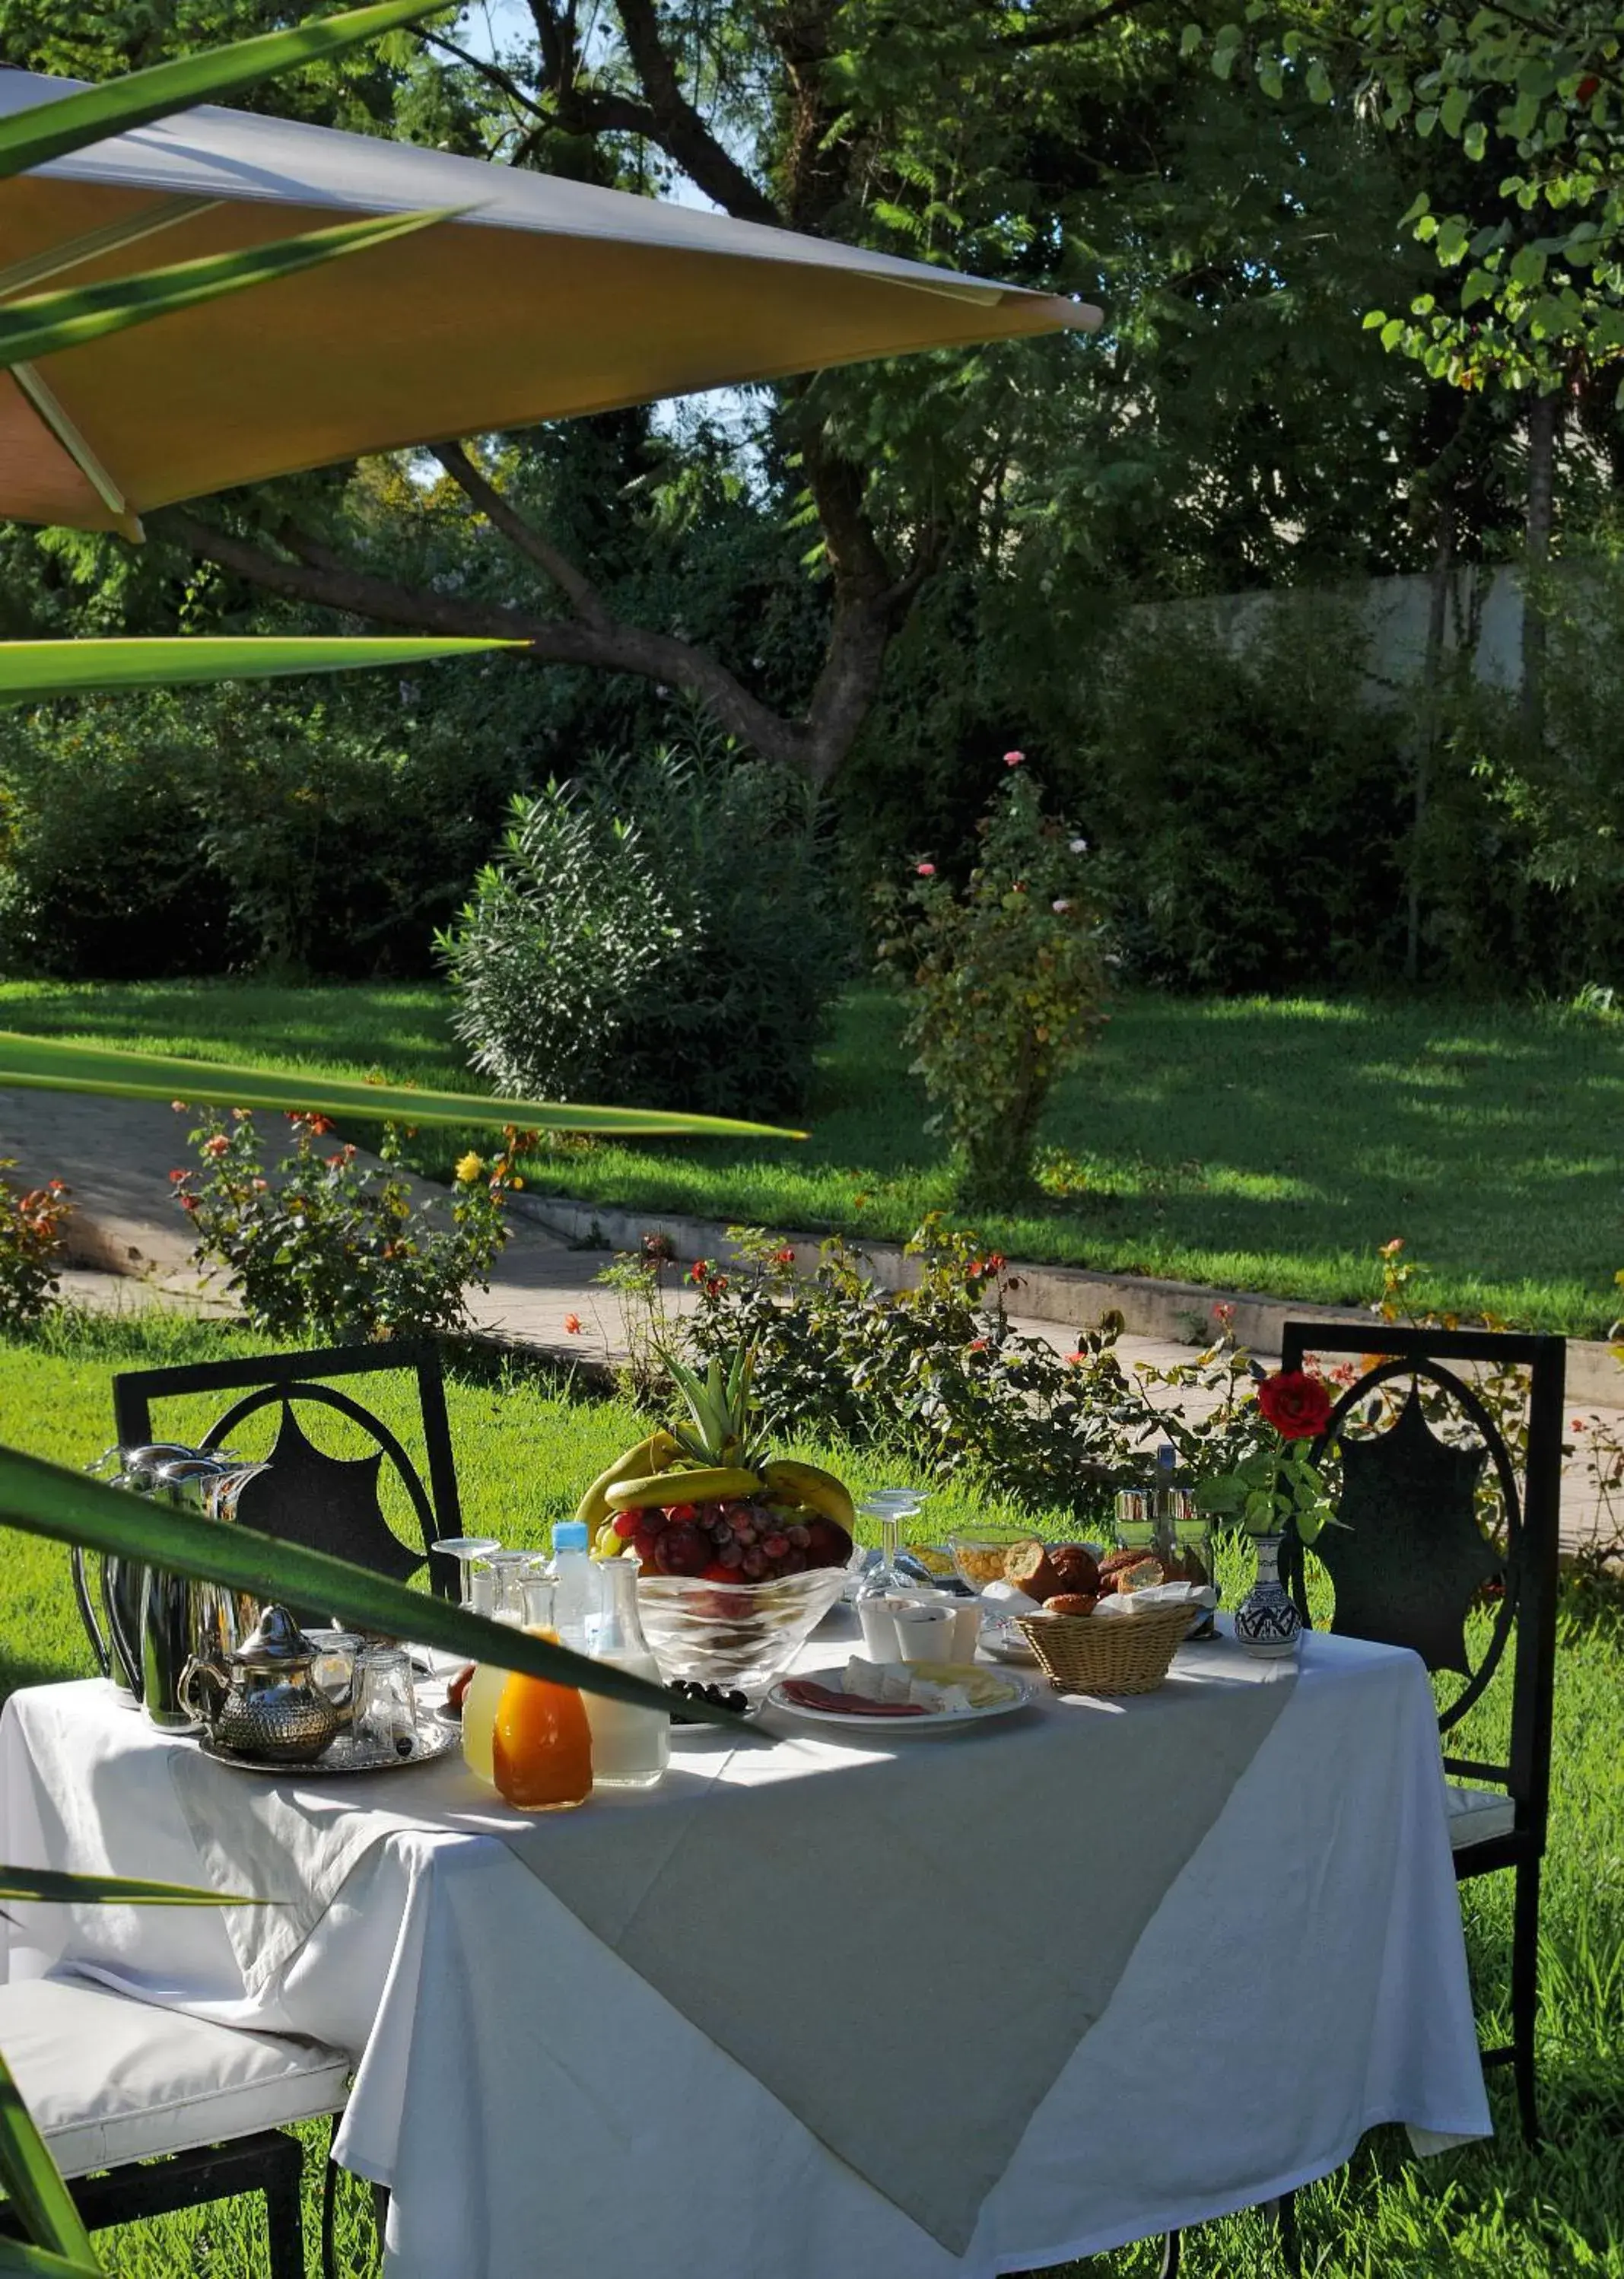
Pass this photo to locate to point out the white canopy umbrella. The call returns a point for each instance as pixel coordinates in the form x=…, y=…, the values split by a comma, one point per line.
x=540, y=299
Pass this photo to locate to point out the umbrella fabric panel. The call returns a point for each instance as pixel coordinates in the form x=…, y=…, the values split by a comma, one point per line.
x=554, y=299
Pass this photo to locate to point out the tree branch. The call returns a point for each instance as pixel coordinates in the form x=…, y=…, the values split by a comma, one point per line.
x=1053, y=36
x=679, y=130
x=319, y=576
x=582, y=595
x=490, y=71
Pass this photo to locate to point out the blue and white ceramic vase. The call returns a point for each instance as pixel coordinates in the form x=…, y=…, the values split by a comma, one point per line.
x=1267, y=1623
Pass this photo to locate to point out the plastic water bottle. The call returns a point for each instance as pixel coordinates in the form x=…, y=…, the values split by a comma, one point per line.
x=575, y=1595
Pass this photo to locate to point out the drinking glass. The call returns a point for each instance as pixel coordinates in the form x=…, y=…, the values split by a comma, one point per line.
x=385, y=1706
x=465, y=1549
x=507, y=1570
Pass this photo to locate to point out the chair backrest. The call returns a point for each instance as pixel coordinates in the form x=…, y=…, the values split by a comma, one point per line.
x=306, y=1496
x=1414, y=1557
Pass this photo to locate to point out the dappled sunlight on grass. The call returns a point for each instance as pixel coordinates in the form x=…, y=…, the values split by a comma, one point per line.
x=1244, y=1143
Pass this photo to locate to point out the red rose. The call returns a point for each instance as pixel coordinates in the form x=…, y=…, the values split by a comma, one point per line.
x=1296, y=1404
x=1587, y=88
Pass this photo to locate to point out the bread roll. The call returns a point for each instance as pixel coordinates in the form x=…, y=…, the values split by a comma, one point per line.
x=1074, y=1563
x=1071, y=1602
x=1027, y=1566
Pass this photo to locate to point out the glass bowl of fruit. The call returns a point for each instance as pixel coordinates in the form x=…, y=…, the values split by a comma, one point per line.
x=735, y=1635
x=979, y=1553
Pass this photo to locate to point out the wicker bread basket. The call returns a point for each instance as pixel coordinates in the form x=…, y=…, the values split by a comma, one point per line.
x=1123, y=1654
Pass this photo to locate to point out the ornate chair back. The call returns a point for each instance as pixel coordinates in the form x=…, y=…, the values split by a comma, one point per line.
x=306, y=1495
x=1441, y=1522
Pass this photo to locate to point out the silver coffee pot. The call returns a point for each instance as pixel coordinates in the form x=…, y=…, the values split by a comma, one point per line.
x=262, y=1699
x=152, y=1622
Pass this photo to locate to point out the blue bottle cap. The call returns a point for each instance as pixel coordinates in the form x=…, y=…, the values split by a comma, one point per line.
x=570, y=1535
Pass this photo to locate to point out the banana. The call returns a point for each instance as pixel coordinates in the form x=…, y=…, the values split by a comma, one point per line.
x=605, y=1544
x=710, y=1486
x=649, y=1455
x=810, y=1485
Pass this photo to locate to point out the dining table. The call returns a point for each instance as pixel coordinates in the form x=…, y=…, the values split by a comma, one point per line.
x=923, y=2005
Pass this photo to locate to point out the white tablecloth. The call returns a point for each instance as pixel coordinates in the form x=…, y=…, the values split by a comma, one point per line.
x=534, y=2104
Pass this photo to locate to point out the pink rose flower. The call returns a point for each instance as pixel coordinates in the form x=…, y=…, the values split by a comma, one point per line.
x=924, y=870
x=1013, y=759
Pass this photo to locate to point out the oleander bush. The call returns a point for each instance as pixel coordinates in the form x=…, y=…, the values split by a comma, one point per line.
x=657, y=929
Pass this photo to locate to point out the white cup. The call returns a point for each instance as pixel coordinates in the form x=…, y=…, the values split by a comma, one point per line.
x=926, y=1633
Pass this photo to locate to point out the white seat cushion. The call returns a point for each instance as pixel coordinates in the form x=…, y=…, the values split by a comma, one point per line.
x=1475, y=1816
x=108, y=2079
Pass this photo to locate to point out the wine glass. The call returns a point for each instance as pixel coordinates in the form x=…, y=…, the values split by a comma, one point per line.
x=884, y=1577
x=465, y=1549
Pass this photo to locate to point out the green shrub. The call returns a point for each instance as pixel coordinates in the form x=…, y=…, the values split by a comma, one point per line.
x=1004, y=981
x=1252, y=804
x=935, y=1371
x=31, y=1247
x=322, y=1250
x=655, y=930
x=196, y=831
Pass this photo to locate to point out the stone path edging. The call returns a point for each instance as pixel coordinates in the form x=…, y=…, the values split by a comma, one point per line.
x=1076, y=1295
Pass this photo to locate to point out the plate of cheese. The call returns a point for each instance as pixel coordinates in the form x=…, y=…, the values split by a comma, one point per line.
x=901, y=1697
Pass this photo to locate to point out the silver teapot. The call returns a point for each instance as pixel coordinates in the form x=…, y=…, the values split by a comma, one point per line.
x=262, y=1699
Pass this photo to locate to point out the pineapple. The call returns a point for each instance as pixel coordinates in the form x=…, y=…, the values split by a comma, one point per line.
x=706, y=1498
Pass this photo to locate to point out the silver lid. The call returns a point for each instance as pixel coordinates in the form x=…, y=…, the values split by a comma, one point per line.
x=277, y=1644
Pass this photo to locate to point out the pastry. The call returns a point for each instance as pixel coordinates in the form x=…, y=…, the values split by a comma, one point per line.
x=1071, y=1602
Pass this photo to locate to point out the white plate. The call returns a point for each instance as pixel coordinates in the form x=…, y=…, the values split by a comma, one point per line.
x=1006, y=1641
x=934, y=1721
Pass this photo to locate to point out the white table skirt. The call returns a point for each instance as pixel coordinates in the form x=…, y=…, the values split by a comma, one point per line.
x=534, y=2106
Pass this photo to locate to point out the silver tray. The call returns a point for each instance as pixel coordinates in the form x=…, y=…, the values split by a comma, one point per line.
x=430, y=1739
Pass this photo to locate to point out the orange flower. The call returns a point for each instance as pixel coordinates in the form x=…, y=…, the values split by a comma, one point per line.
x=573, y=1324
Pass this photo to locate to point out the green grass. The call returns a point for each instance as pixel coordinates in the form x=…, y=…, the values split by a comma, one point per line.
x=1498, y=2212
x=1262, y=1145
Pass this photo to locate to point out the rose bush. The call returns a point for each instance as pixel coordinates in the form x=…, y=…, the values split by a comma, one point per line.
x=322, y=1248
x=1296, y=1404
x=1004, y=979
x=31, y=1247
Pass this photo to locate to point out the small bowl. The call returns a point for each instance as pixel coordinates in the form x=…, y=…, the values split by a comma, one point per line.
x=742, y=1635
x=978, y=1553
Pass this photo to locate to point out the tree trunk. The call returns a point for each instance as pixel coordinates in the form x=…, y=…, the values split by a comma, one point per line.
x=1544, y=425
x=1432, y=673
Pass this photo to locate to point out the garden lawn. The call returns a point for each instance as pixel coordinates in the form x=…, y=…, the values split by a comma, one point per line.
x=1498, y=2212
x=1251, y=1144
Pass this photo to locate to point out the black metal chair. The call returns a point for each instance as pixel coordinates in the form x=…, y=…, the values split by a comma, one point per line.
x=147, y=2111
x=327, y=1503
x=1414, y=1562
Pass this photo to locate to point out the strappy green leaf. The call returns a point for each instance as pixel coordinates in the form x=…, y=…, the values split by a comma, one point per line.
x=65, y=1507
x=47, y=1064
x=51, y=1887
x=35, y=2189
x=30, y=671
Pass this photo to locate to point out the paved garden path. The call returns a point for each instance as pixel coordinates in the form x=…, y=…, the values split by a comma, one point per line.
x=130, y=1245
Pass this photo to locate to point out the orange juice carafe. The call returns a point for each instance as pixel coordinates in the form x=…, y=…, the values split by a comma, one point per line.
x=541, y=1741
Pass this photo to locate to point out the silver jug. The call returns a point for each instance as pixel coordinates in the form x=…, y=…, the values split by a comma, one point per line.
x=262, y=1700
x=156, y=1621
